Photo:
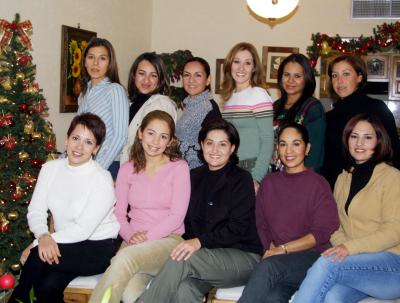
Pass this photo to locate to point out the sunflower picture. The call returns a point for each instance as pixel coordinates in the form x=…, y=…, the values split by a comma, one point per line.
x=74, y=43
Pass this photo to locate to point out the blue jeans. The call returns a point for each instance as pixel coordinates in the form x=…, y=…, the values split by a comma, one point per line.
x=276, y=278
x=356, y=277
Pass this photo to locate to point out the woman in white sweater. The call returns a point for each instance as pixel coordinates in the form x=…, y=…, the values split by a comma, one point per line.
x=79, y=193
x=148, y=90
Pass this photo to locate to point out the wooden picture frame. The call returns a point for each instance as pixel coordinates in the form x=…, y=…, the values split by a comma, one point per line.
x=219, y=72
x=377, y=67
x=272, y=56
x=324, y=81
x=394, y=84
x=73, y=43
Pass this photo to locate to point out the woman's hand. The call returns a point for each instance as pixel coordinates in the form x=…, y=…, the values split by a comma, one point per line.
x=273, y=251
x=138, y=237
x=185, y=249
x=48, y=249
x=340, y=252
x=25, y=254
x=256, y=186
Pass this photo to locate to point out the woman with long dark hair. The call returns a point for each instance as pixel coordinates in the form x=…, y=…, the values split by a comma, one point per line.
x=103, y=95
x=148, y=89
x=296, y=83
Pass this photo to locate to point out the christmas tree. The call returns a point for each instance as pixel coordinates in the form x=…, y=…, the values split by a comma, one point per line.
x=26, y=138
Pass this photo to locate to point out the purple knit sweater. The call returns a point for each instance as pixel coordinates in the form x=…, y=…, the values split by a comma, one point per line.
x=289, y=206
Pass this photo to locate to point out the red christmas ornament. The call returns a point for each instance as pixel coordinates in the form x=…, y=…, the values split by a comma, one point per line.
x=6, y=120
x=17, y=195
x=24, y=60
x=313, y=63
x=7, y=281
x=4, y=228
x=10, y=143
x=36, y=163
x=23, y=107
x=50, y=145
x=39, y=107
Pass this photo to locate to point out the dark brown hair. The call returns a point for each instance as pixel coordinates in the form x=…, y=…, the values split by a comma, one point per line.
x=308, y=91
x=163, y=81
x=356, y=63
x=205, y=66
x=383, y=150
x=112, y=71
x=93, y=123
x=257, y=78
x=230, y=131
x=137, y=155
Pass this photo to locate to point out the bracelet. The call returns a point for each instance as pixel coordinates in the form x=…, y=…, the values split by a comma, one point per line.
x=284, y=248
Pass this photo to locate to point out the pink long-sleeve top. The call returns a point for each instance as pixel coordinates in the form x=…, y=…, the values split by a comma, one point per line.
x=158, y=203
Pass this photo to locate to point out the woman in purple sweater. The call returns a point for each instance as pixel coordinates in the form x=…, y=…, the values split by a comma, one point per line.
x=295, y=216
x=153, y=191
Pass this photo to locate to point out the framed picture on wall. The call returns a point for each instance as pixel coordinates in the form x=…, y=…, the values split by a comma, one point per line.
x=73, y=44
x=324, y=85
x=272, y=56
x=219, y=65
x=377, y=67
x=394, y=84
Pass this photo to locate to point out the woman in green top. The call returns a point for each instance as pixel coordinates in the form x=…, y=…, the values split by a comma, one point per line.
x=297, y=84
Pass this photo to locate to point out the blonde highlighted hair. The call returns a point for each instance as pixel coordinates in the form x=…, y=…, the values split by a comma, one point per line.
x=257, y=78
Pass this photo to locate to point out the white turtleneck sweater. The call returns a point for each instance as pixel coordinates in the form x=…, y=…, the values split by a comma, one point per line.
x=80, y=199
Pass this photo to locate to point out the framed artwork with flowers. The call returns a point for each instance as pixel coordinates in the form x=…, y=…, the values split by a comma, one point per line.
x=219, y=72
x=73, y=44
x=272, y=56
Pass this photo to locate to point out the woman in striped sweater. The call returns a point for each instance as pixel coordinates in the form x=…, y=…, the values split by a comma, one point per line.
x=103, y=95
x=249, y=107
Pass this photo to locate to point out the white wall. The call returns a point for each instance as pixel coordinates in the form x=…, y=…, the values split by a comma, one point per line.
x=209, y=28
x=126, y=23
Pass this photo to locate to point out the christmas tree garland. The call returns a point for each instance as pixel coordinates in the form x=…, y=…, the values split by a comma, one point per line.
x=385, y=38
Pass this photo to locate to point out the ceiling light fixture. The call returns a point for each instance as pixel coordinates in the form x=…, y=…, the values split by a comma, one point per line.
x=272, y=9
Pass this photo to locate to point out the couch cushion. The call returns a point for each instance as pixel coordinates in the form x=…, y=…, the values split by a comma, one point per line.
x=88, y=282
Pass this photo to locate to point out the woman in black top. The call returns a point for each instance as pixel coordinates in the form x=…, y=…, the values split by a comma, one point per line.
x=348, y=76
x=221, y=246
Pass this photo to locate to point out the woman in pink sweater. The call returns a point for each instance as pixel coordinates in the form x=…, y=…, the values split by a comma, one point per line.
x=153, y=191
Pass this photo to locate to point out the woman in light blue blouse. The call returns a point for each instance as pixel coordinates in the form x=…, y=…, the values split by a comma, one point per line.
x=103, y=95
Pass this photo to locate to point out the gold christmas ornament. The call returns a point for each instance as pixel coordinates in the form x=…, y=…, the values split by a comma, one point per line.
x=7, y=84
x=32, y=89
x=15, y=267
x=325, y=48
x=28, y=127
x=52, y=156
x=12, y=215
x=36, y=135
x=3, y=100
x=48, y=128
x=22, y=155
x=3, y=69
x=20, y=76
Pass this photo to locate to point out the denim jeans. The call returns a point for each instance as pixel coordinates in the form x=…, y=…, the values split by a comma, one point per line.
x=356, y=277
x=276, y=278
